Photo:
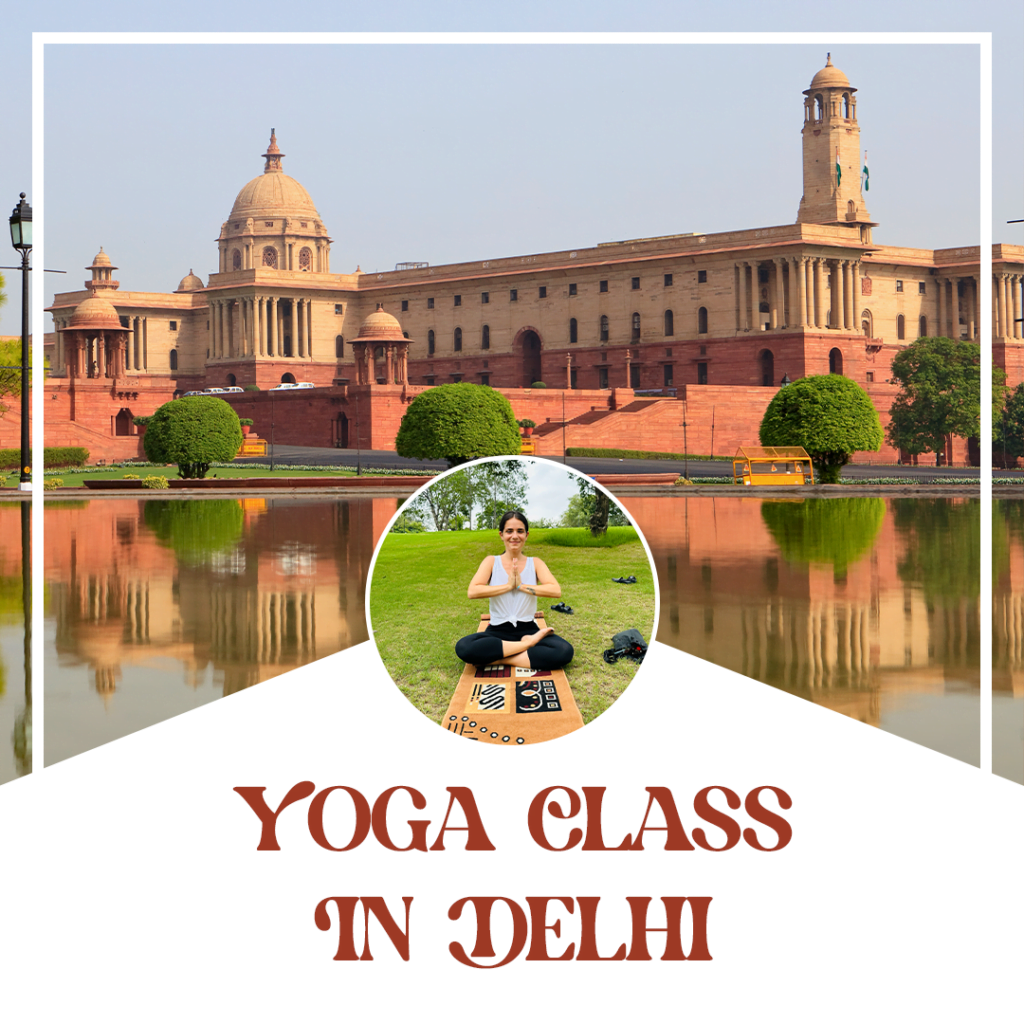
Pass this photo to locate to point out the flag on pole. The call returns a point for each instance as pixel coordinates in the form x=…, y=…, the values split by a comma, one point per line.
x=865, y=175
x=839, y=170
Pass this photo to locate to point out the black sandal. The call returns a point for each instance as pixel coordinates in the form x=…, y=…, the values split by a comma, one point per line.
x=626, y=579
x=562, y=607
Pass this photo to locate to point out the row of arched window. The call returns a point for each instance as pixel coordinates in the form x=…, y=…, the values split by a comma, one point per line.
x=270, y=258
x=901, y=327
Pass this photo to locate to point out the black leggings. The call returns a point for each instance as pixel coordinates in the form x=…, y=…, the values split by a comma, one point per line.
x=485, y=648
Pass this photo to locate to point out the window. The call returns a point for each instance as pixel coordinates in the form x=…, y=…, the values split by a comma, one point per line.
x=485, y=297
x=702, y=373
x=458, y=339
x=173, y=325
x=636, y=284
x=604, y=328
x=125, y=323
x=702, y=276
x=602, y=377
x=457, y=378
x=513, y=295
x=236, y=260
x=485, y=337
x=458, y=300
x=668, y=280
x=922, y=288
x=174, y=358
x=338, y=309
x=485, y=379
x=572, y=289
x=702, y=320
x=635, y=329
x=634, y=375
x=306, y=258
x=405, y=305
x=572, y=379
x=835, y=362
x=901, y=328
x=669, y=323
x=430, y=380
x=899, y=286
x=269, y=257
x=430, y=303
x=922, y=327
x=703, y=350
x=870, y=377
x=603, y=286
x=573, y=332
x=667, y=375
x=542, y=292
x=430, y=343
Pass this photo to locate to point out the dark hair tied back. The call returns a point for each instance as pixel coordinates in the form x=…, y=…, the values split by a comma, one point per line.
x=513, y=514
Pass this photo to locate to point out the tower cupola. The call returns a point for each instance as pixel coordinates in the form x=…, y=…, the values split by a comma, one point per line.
x=831, y=153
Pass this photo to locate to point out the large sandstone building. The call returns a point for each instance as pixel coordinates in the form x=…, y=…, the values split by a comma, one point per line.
x=631, y=338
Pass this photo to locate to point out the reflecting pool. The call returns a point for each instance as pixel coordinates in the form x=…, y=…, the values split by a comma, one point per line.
x=154, y=607
x=1008, y=639
x=866, y=605
x=15, y=676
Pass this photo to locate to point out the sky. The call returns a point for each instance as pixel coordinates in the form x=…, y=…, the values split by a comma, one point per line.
x=446, y=153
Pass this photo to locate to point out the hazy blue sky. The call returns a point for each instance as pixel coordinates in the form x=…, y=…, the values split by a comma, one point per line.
x=444, y=153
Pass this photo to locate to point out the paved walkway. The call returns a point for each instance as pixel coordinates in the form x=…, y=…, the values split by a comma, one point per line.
x=290, y=455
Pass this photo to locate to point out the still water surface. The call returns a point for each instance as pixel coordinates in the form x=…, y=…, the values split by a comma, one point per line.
x=867, y=606
x=1008, y=639
x=156, y=607
x=15, y=700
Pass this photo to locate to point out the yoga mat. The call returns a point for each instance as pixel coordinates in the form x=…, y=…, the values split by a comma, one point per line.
x=511, y=706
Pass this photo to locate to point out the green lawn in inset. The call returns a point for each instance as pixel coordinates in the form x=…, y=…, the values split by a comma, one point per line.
x=419, y=609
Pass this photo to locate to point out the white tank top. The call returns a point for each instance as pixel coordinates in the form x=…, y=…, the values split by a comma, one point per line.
x=515, y=606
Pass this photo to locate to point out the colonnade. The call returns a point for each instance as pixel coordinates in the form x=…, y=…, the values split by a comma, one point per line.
x=1007, y=302
x=262, y=325
x=99, y=355
x=797, y=294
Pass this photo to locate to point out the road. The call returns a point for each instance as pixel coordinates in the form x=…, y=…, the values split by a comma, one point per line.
x=290, y=455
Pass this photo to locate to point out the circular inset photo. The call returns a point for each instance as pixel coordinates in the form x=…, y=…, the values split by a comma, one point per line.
x=512, y=600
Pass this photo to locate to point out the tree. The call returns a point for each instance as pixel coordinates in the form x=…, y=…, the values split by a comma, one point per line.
x=448, y=502
x=830, y=417
x=193, y=432
x=407, y=523
x=458, y=422
x=940, y=394
x=1008, y=426
x=592, y=509
x=498, y=487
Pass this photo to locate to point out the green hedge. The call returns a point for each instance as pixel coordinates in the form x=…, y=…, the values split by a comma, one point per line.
x=10, y=458
x=625, y=453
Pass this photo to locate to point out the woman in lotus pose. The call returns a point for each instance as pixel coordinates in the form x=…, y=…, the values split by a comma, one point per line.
x=513, y=583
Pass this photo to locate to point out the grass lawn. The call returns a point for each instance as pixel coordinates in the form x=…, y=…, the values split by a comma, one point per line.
x=419, y=609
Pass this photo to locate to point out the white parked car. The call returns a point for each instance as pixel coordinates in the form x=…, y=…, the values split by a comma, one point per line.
x=232, y=391
x=284, y=387
x=215, y=391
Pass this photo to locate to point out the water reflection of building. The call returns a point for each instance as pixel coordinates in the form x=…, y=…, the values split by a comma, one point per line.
x=842, y=635
x=1008, y=598
x=282, y=584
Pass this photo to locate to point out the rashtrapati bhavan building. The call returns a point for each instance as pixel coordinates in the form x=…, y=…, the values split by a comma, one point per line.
x=631, y=338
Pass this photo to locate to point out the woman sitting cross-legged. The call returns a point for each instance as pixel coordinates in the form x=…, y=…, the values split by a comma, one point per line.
x=513, y=583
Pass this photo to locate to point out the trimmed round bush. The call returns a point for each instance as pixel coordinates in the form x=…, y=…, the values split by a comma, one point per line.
x=458, y=422
x=192, y=433
x=829, y=416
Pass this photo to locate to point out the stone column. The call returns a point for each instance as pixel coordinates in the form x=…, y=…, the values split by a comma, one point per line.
x=136, y=353
x=836, y=295
x=855, y=288
x=261, y=324
x=243, y=326
x=1015, y=286
x=954, y=308
x=744, y=299
x=309, y=328
x=1001, y=331
x=780, y=290
x=737, y=289
x=819, y=303
x=850, y=318
x=941, y=284
x=271, y=325
x=799, y=273
x=145, y=343
x=972, y=305
x=389, y=374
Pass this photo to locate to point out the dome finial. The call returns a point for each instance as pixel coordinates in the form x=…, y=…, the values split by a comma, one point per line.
x=273, y=155
x=828, y=60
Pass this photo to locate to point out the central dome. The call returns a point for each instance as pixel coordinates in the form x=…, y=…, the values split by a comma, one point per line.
x=273, y=194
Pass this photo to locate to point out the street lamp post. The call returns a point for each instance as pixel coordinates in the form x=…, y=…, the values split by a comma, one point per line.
x=21, y=239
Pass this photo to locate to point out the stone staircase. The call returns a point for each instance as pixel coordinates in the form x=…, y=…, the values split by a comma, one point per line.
x=645, y=424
